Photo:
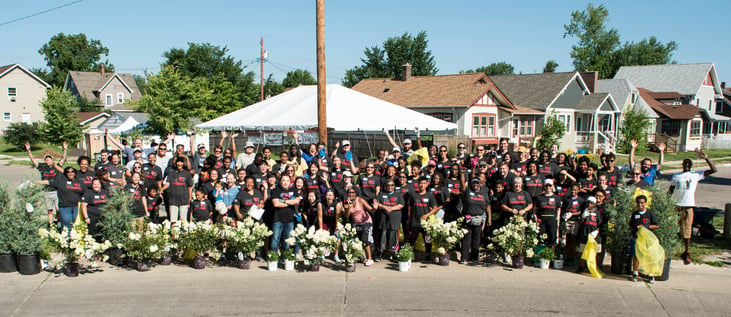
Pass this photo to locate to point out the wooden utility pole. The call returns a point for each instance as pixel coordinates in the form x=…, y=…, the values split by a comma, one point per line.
x=321, y=84
x=261, y=71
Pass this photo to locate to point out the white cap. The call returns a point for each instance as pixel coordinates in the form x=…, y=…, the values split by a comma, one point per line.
x=396, y=149
x=249, y=144
x=347, y=174
x=591, y=199
x=407, y=141
x=548, y=181
x=345, y=142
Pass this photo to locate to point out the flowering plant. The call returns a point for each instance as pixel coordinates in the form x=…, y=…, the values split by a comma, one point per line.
x=444, y=235
x=246, y=237
x=315, y=244
x=518, y=237
x=352, y=246
x=151, y=243
x=75, y=245
x=200, y=236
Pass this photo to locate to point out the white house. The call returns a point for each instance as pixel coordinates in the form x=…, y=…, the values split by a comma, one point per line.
x=21, y=94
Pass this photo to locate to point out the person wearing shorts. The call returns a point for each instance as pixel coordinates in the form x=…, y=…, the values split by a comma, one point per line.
x=179, y=184
x=357, y=209
x=48, y=170
x=682, y=187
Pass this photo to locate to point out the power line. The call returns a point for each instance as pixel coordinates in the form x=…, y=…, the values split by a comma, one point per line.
x=42, y=12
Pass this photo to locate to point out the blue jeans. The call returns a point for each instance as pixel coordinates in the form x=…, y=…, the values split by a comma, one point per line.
x=281, y=231
x=68, y=216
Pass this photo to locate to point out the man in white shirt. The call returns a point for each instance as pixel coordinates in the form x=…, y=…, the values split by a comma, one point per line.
x=247, y=157
x=682, y=187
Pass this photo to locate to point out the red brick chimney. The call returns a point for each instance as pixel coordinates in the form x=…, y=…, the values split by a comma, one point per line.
x=102, y=69
x=590, y=78
x=405, y=71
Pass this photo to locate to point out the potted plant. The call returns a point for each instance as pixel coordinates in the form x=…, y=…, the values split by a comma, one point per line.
x=620, y=233
x=115, y=223
x=315, y=244
x=145, y=246
x=272, y=260
x=26, y=215
x=199, y=238
x=663, y=206
x=74, y=246
x=353, y=248
x=558, y=260
x=247, y=237
x=405, y=255
x=547, y=255
x=7, y=258
x=444, y=235
x=289, y=258
x=517, y=239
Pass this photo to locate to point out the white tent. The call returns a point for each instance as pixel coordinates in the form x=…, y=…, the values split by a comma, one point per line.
x=347, y=110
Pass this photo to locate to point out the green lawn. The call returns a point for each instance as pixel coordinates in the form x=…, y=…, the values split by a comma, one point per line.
x=37, y=149
x=701, y=248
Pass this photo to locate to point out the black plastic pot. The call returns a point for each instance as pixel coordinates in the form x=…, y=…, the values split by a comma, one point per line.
x=28, y=264
x=7, y=263
x=665, y=271
x=621, y=263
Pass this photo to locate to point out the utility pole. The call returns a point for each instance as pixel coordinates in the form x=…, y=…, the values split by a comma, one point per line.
x=261, y=71
x=321, y=84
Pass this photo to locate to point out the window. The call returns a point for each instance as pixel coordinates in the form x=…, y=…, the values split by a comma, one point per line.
x=516, y=123
x=483, y=125
x=722, y=127
x=7, y=116
x=26, y=117
x=605, y=123
x=578, y=124
x=120, y=97
x=12, y=94
x=528, y=123
x=710, y=104
x=670, y=127
x=108, y=100
x=566, y=119
x=695, y=128
x=442, y=116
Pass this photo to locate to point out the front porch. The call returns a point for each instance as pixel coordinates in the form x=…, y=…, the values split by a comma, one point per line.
x=596, y=131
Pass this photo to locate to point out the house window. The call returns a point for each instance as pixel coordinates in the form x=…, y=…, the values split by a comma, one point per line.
x=120, y=97
x=670, y=127
x=516, y=123
x=108, y=100
x=605, y=124
x=528, y=123
x=710, y=104
x=695, y=128
x=12, y=94
x=578, y=123
x=442, y=116
x=7, y=116
x=722, y=127
x=566, y=119
x=483, y=125
x=26, y=118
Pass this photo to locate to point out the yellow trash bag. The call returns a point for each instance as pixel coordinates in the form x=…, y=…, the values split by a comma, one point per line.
x=647, y=193
x=419, y=245
x=649, y=252
x=589, y=255
x=421, y=155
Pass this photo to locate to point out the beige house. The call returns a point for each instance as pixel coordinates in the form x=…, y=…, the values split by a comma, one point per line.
x=21, y=93
x=112, y=90
x=90, y=122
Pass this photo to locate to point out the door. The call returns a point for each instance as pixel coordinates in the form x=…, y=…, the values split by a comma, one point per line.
x=26, y=118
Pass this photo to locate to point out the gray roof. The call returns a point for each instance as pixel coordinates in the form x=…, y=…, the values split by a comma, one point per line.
x=89, y=82
x=119, y=117
x=536, y=91
x=683, y=78
x=621, y=91
x=592, y=102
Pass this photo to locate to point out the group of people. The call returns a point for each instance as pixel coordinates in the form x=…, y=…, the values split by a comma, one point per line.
x=382, y=197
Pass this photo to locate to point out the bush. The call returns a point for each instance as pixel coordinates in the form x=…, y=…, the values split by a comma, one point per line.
x=20, y=132
x=634, y=127
x=27, y=215
x=116, y=219
x=551, y=132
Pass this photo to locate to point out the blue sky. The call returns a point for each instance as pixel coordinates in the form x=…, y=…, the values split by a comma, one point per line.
x=462, y=34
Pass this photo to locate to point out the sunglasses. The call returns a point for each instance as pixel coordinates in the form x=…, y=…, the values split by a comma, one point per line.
x=461, y=147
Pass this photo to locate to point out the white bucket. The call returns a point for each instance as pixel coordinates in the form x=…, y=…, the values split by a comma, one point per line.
x=558, y=264
x=404, y=266
x=288, y=265
x=544, y=264
x=272, y=266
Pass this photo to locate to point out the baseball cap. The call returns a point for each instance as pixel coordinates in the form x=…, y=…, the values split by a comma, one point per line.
x=249, y=144
x=396, y=149
x=137, y=150
x=522, y=149
x=345, y=142
x=432, y=163
x=407, y=141
x=347, y=174
x=492, y=153
x=475, y=180
x=548, y=181
x=591, y=199
x=201, y=146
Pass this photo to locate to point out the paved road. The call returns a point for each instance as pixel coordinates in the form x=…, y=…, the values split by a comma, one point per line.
x=455, y=290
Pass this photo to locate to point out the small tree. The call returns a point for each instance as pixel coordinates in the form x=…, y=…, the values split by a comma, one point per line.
x=20, y=132
x=61, y=124
x=634, y=127
x=551, y=132
x=550, y=67
x=116, y=221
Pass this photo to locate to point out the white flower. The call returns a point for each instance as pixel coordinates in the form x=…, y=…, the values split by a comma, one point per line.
x=133, y=236
x=153, y=248
x=441, y=250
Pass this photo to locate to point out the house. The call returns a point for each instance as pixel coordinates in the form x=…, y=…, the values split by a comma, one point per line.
x=680, y=126
x=697, y=84
x=472, y=101
x=21, y=94
x=89, y=122
x=113, y=90
x=627, y=98
x=590, y=119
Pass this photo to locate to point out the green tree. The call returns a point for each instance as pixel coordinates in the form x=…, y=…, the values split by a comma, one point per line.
x=272, y=87
x=550, y=67
x=72, y=52
x=387, y=61
x=172, y=99
x=206, y=61
x=141, y=82
x=60, y=110
x=596, y=43
x=646, y=52
x=500, y=68
x=634, y=127
x=298, y=77
x=18, y=133
x=551, y=132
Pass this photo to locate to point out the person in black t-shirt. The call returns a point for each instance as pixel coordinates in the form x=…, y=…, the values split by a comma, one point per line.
x=546, y=208
x=614, y=175
x=200, y=208
x=533, y=182
x=517, y=201
x=284, y=200
x=154, y=200
x=477, y=214
x=179, y=186
x=636, y=179
x=69, y=191
x=421, y=206
x=388, y=219
x=645, y=218
x=48, y=171
x=92, y=203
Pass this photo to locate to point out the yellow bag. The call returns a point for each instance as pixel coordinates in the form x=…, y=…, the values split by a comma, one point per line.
x=649, y=252
x=419, y=245
x=421, y=155
x=647, y=193
x=589, y=255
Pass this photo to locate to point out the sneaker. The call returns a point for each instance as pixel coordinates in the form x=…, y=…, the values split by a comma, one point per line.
x=651, y=280
x=369, y=263
x=259, y=258
x=633, y=277
x=462, y=261
x=378, y=259
x=429, y=258
x=336, y=258
x=686, y=259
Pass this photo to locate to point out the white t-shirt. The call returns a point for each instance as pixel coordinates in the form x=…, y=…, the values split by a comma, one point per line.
x=685, y=184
